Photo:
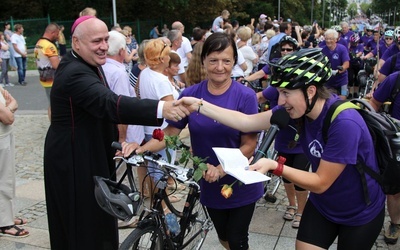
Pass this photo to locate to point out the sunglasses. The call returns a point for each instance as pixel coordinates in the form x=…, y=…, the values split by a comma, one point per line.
x=165, y=45
x=286, y=49
x=388, y=38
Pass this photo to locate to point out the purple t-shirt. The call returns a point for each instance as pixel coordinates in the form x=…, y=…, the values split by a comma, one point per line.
x=382, y=50
x=266, y=69
x=285, y=135
x=387, y=66
x=340, y=41
x=356, y=49
x=384, y=91
x=365, y=39
x=206, y=133
x=337, y=57
x=346, y=37
x=343, y=202
x=393, y=49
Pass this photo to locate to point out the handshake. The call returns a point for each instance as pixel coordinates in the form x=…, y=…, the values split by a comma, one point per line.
x=178, y=109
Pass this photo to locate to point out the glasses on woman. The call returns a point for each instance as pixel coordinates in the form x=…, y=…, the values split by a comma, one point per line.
x=388, y=38
x=287, y=49
x=165, y=45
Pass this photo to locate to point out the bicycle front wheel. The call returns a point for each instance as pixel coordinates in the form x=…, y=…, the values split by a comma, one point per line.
x=149, y=237
x=197, y=227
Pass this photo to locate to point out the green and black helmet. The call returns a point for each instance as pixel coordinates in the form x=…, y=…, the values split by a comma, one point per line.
x=300, y=69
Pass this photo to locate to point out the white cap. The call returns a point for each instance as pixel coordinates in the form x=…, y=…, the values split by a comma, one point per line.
x=263, y=16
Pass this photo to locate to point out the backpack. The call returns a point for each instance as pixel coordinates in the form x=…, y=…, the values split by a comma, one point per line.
x=385, y=133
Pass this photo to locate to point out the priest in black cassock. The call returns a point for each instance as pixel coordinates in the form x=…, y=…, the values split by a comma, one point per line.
x=78, y=143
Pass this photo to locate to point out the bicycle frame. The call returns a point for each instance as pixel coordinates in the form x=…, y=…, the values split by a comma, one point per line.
x=153, y=217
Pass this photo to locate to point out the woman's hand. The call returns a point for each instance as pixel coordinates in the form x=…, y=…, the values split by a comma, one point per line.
x=213, y=173
x=191, y=103
x=263, y=165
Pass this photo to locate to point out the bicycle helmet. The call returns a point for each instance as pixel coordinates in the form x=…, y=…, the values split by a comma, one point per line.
x=369, y=28
x=289, y=39
x=116, y=198
x=396, y=34
x=301, y=69
x=389, y=33
x=355, y=38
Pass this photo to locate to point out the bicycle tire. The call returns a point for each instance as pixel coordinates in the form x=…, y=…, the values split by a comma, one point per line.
x=197, y=227
x=148, y=237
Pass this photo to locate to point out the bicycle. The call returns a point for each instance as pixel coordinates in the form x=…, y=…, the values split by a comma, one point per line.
x=151, y=231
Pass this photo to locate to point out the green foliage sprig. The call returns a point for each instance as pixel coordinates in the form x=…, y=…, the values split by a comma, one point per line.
x=174, y=143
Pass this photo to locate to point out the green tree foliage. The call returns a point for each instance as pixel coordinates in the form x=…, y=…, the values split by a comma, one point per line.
x=365, y=8
x=189, y=12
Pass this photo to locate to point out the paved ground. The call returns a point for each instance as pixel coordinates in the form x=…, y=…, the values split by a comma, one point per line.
x=267, y=231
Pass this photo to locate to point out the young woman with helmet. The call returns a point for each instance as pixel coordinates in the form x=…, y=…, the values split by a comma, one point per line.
x=286, y=141
x=336, y=207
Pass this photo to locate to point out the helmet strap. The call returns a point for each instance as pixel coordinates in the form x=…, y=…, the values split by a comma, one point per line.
x=309, y=105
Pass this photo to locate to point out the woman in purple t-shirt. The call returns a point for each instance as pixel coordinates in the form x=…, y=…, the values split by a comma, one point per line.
x=231, y=216
x=336, y=207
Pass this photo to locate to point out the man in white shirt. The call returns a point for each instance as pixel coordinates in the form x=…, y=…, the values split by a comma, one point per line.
x=185, y=51
x=19, y=44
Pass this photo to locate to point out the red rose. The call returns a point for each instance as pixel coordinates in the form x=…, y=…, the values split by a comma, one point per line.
x=158, y=134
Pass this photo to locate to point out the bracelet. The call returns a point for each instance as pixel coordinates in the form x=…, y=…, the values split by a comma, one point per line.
x=200, y=104
x=279, y=170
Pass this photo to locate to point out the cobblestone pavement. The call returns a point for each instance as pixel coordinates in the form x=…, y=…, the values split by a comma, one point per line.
x=30, y=130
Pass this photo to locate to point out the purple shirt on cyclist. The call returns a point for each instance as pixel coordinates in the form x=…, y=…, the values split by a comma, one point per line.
x=384, y=90
x=352, y=211
x=337, y=57
x=393, y=49
x=206, y=133
x=387, y=69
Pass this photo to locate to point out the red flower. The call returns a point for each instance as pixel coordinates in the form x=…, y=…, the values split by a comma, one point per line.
x=158, y=134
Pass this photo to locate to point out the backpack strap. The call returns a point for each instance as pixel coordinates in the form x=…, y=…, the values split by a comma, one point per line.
x=332, y=113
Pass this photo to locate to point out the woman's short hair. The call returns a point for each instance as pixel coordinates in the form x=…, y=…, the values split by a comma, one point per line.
x=244, y=33
x=332, y=32
x=140, y=51
x=270, y=33
x=218, y=42
x=255, y=39
x=175, y=58
x=154, y=50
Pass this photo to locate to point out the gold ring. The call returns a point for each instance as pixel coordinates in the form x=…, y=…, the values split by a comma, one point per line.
x=178, y=117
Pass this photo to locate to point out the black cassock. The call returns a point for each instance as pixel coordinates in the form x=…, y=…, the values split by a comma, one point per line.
x=78, y=146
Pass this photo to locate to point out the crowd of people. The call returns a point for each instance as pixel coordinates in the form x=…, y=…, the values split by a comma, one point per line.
x=109, y=87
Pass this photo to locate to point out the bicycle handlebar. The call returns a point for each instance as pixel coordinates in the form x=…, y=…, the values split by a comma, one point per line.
x=180, y=173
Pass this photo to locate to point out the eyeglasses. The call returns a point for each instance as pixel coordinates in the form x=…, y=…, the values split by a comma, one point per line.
x=388, y=38
x=286, y=49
